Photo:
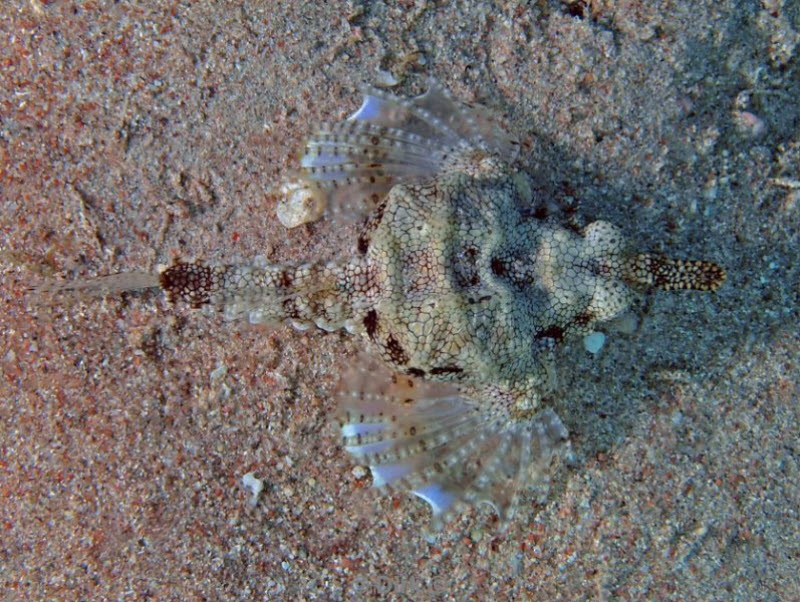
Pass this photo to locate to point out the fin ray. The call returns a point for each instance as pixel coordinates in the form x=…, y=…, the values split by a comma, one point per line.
x=101, y=285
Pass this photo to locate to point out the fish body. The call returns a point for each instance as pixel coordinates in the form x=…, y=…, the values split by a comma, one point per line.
x=460, y=287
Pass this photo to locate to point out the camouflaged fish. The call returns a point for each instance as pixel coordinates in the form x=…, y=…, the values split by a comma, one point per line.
x=458, y=285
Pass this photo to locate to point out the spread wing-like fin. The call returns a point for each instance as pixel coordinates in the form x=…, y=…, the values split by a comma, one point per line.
x=348, y=167
x=444, y=447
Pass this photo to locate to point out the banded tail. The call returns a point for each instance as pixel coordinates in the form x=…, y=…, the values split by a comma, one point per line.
x=325, y=294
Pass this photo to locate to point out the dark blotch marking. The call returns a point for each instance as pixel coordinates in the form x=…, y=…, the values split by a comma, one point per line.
x=583, y=319
x=540, y=212
x=371, y=323
x=446, y=370
x=189, y=282
x=395, y=351
x=498, y=267
x=418, y=372
x=285, y=279
x=363, y=243
x=551, y=332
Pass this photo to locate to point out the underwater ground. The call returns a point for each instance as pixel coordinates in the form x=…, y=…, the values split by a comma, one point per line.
x=132, y=134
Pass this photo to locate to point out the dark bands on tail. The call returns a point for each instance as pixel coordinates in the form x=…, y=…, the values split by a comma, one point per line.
x=191, y=283
x=306, y=294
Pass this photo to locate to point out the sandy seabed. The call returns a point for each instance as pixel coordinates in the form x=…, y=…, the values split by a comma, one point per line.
x=135, y=133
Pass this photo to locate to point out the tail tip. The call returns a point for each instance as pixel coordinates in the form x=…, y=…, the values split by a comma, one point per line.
x=676, y=274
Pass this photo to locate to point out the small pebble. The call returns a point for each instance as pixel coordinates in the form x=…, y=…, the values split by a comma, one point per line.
x=749, y=124
x=254, y=486
x=594, y=342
